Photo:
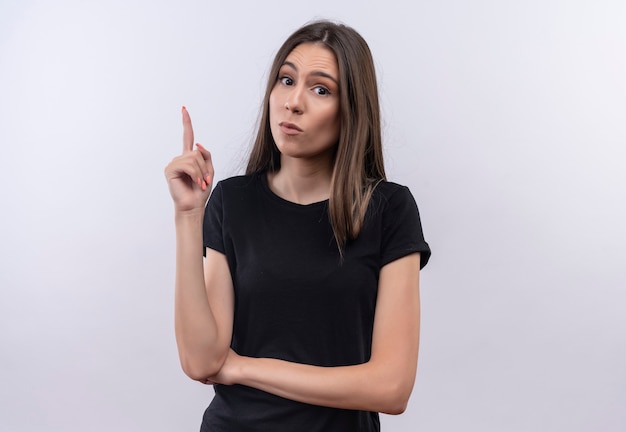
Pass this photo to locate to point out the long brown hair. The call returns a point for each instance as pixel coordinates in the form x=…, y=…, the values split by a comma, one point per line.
x=358, y=164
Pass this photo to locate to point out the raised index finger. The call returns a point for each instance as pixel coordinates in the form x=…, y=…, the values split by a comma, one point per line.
x=187, y=132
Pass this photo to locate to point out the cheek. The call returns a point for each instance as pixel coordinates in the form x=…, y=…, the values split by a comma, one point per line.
x=332, y=119
x=337, y=126
x=330, y=127
x=276, y=96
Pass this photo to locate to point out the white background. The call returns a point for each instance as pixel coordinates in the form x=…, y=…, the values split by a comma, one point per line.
x=505, y=118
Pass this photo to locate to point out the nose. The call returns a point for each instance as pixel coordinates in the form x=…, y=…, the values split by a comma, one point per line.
x=295, y=100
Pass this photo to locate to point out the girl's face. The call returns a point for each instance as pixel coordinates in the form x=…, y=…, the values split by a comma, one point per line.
x=304, y=103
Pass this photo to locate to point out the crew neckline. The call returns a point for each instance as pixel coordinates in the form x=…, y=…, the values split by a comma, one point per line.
x=266, y=188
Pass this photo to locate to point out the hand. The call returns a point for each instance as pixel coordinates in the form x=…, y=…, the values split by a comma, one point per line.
x=230, y=371
x=190, y=175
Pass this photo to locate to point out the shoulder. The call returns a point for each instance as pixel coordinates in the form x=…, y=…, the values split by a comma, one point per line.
x=237, y=187
x=388, y=194
x=238, y=195
x=238, y=182
x=387, y=189
x=395, y=208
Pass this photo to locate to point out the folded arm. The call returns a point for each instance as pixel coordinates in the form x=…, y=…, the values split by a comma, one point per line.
x=382, y=384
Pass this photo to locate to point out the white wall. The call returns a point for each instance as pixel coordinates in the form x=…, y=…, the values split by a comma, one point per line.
x=506, y=118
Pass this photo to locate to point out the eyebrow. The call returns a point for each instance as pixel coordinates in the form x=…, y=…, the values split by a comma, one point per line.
x=314, y=73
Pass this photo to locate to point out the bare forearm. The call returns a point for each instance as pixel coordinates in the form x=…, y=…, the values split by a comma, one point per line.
x=370, y=386
x=195, y=324
x=382, y=384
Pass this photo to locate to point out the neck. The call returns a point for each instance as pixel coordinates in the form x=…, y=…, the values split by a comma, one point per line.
x=301, y=181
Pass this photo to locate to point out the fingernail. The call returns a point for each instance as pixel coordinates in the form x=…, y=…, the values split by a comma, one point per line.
x=184, y=108
x=207, y=178
x=200, y=145
x=203, y=186
x=198, y=180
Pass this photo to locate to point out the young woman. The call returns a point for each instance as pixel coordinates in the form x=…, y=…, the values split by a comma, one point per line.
x=304, y=313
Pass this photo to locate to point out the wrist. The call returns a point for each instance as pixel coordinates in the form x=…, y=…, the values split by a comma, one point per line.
x=243, y=369
x=189, y=216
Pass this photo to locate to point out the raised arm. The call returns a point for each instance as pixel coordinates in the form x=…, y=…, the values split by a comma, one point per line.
x=383, y=384
x=203, y=293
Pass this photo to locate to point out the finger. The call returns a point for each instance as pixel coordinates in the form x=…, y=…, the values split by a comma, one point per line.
x=196, y=165
x=204, y=167
x=187, y=132
x=207, y=163
x=188, y=166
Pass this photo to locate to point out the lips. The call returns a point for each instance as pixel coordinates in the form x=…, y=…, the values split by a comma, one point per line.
x=289, y=128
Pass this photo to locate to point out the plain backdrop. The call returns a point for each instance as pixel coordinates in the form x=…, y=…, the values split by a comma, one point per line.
x=507, y=119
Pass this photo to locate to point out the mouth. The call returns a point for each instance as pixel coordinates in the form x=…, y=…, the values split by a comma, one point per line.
x=289, y=128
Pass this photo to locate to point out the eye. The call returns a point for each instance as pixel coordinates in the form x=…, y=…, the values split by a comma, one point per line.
x=285, y=80
x=321, y=91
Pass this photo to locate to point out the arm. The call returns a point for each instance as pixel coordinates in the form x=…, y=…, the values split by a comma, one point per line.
x=203, y=294
x=383, y=384
x=204, y=303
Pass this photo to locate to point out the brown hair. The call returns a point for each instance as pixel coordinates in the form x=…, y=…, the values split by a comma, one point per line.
x=358, y=165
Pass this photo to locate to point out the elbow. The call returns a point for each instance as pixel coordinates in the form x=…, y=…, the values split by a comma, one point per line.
x=396, y=398
x=200, y=370
x=201, y=375
x=395, y=409
x=394, y=406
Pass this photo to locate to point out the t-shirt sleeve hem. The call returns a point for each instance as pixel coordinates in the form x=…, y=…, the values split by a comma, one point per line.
x=396, y=254
x=216, y=248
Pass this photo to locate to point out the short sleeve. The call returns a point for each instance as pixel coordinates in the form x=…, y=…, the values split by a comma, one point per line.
x=402, y=229
x=212, y=227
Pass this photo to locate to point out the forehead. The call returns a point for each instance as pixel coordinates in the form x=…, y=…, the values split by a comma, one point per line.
x=313, y=56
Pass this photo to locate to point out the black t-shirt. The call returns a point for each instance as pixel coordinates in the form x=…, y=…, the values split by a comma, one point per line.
x=296, y=299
